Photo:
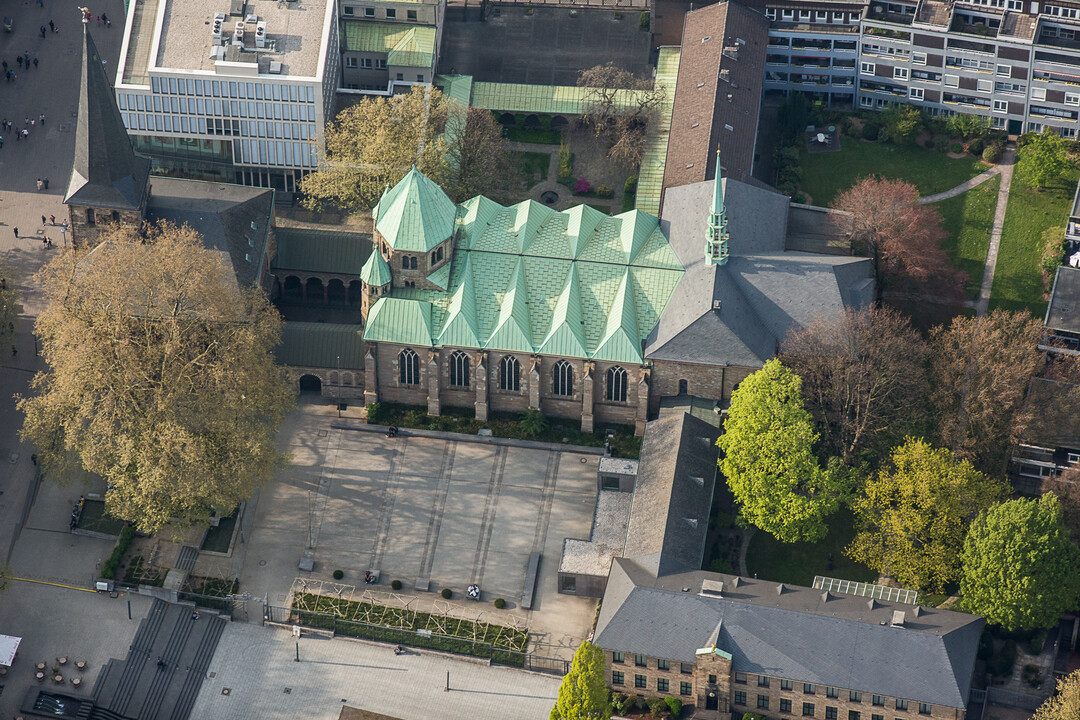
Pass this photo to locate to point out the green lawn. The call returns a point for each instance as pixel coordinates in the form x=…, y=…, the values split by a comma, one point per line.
x=825, y=175
x=798, y=563
x=529, y=164
x=968, y=219
x=543, y=134
x=1017, y=280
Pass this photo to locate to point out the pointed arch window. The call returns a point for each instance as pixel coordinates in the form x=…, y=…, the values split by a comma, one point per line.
x=409, y=367
x=616, y=384
x=509, y=374
x=459, y=369
x=562, y=376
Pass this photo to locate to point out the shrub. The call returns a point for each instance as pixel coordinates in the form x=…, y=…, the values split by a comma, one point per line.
x=941, y=142
x=991, y=153
x=871, y=129
x=338, y=574
x=675, y=704
x=630, y=186
x=719, y=565
x=533, y=423
x=604, y=192
x=1031, y=675
x=790, y=174
x=986, y=645
x=374, y=413
x=566, y=161
x=1053, y=250
x=976, y=146
x=929, y=143
x=109, y=567
x=847, y=127
x=657, y=707
x=581, y=187
x=643, y=21
x=1037, y=642
x=957, y=148
x=799, y=198
x=499, y=603
x=618, y=702
x=395, y=584
x=447, y=593
x=752, y=716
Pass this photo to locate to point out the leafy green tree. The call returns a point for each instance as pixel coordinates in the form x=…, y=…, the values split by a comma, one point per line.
x=161, y=377
x=1065, y=704
x=583, y=694
x=904, y=123
x=533, y=422
x=1043, y=158
x=1021, y=570
x=914, y=514
x=769, y=461
x=968, y=126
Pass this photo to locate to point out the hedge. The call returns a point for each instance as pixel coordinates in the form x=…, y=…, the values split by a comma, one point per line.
x=109, y=568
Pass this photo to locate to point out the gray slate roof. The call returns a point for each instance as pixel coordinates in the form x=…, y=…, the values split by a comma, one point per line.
x=106, y=172
x=760, y=293
x=231, y=218
x=840, y=642
x=321, y=345
x=304, y=250
x=672, y=495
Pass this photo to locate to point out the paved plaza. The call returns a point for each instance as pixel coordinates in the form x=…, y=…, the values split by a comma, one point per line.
x=258, y=668
x=435, y=511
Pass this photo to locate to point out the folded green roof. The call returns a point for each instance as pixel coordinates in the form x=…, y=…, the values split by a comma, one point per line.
x=415, y=215
x=404, y=45
x=375, y=271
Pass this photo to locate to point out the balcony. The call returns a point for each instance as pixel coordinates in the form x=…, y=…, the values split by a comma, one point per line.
x=810, y=62
x=882, y=88
x=825, y=28
x=878, y=13
x=888, y=33
x=962, y=24
x=934, y=12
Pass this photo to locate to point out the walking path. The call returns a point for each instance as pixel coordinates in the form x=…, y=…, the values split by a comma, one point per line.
x=1007, y=163
x=964, y=186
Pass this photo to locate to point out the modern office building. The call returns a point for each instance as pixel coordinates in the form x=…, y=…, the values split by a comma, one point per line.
x=230, y=90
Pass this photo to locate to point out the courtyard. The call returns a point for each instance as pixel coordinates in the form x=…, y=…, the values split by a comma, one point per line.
x=430, y=512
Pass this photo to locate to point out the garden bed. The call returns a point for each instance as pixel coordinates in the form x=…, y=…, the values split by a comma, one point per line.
x=542, y=135
x=219, y=538
x=623, y=443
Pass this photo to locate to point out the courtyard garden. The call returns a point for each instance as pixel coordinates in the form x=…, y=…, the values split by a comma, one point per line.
x=1018, y=283
x=798, y=563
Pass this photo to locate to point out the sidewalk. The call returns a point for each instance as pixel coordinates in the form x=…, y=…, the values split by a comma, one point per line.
x=257, y=667
x=1007, y=163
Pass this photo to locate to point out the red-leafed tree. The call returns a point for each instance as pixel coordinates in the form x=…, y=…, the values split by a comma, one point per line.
x=903, y=235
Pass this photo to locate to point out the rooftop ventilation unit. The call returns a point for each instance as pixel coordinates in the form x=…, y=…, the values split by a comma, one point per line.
x=897, y=618
x=251, y=19
x=780, y=589
x=218, y=26
x=275, y=67
x=712, y=588
x=260, y=34
x=238, y=33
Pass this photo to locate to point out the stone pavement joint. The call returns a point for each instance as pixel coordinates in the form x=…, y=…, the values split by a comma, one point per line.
x=486, y=525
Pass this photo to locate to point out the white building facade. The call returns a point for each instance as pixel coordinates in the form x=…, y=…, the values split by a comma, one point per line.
x=228, y=90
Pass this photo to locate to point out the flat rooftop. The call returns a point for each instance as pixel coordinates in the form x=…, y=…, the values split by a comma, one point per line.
x=610, y=520
x=294, y=29
x=1064, y=310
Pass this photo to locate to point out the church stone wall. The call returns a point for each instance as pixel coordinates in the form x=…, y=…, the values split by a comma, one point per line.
x=707, y=381
x=83, y=233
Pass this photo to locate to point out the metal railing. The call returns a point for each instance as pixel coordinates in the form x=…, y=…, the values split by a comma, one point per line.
x=415, y=638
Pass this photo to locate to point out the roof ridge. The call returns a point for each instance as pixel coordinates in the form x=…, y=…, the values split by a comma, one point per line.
x=620, y=341
x=564, y=334
x=513, y=316
x=460, y=325
x=581, y=226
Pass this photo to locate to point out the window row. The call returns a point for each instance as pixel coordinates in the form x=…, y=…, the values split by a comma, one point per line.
x=562, y=374
x=369, y=12
x=218, y=126
x=809, y=709
x=220, y=108
x=830, y=692
x=641, y=682
x=231, y=89
x=643, y=661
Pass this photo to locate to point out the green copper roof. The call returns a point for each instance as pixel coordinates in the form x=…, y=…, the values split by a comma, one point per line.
x=415, y=215
x=460, y=326
x=441, y=277
x=651, y=173
x=408, y=46
x=321, y=345
x=376, y=271
x=395, y=320
x=526, y=278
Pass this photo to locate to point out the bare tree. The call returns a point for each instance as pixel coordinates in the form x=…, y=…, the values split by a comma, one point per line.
x=478, y=158
x=619, y=106
x=864, y=376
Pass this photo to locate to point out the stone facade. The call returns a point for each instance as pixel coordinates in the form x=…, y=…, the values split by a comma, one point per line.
x=594, y=398
x=88, y=223
x=712, y=682
x=706, y=381
x=343, y=384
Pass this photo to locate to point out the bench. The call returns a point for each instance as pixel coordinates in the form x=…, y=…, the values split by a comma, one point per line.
x=531, y=573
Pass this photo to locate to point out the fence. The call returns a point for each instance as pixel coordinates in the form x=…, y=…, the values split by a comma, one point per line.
x=415, y=638
x=210, y=602
x=1011, y=698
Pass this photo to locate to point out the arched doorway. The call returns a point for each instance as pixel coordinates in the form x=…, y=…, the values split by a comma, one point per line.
x=314, y=290
x=335, y=292
x=355, y=292
x=310, y=383
x=507, y=119
x=558, y=122
x=292, y=289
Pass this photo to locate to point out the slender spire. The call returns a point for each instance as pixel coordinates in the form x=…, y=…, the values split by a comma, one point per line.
x=716, y=245
x=106, y=172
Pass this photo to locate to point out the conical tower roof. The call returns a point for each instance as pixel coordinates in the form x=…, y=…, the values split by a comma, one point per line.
x=415, y=215
x=375, y=271
x=106, y=172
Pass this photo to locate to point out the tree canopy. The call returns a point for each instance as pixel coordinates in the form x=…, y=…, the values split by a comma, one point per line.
x=1043, y=157
x=768, y=458
x=619, y=106
x=904, y=236
x=1063, y=705
x=863, y=376
x=982, y=367
x=161, y=376
x=583, y=694
x=1021, y=570
x=375, y=142
x=914, y=514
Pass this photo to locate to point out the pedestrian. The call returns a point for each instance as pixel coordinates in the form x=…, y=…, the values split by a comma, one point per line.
x=46, y=182
x=26, y=57
x=19, y=60
x=42, y=29
x=14, y=352
x=41, y=118
x=43, y=221
x=33, y=458
x=108, y=22
x=16, y=233
x=25, y=134
x=52, y=27
x=26, y=121
x=52, y=219
x=5, y=66
x=40, y=185
x=35, y=63
x=18, y=136
x=1, y=142
x=31, y=123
